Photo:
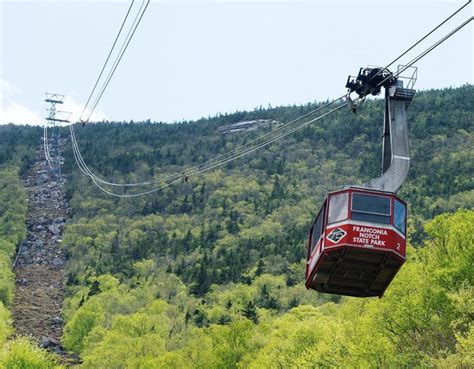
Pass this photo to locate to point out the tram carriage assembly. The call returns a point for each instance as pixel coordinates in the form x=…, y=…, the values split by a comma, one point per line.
x=357, y=242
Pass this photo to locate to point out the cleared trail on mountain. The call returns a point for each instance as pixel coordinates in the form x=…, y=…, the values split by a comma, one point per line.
x=39, y=266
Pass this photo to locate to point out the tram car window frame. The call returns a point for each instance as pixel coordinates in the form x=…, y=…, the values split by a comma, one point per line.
x=365, y=208
x=315, y=233
x=400, y=216
x=338, y=208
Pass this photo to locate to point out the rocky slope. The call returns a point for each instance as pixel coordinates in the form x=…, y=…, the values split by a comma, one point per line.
x=40, y=261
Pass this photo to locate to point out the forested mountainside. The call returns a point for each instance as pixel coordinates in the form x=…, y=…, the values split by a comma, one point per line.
x=209, y=272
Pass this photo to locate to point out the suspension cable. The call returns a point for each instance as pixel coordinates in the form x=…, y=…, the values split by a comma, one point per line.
x=189, y=170
x=213, y=163
x=413, y=61
x=107, y=60
x=117, y=60
x=425, y=36
x=177, y=175
x=124, y=47
x=248, y=151
x=420, y=40
x=428, y=50
x=46, y=146
x=210, y=161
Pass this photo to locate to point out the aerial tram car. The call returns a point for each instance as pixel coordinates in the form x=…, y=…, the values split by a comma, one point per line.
x=357, y=242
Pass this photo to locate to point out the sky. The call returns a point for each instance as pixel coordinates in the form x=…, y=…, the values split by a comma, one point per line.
x=193, y=59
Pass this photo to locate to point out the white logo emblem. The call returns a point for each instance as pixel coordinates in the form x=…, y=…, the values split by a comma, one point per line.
x=336, y=235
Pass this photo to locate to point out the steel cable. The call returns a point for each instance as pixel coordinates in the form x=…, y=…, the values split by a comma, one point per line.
x=214, y=162
x=420, y=40
x=248, y=151
x=107, y=60
x=208, y=162
x=119, y=57
x=428, y=50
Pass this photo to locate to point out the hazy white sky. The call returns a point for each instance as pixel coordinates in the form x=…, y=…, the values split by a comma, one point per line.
x=190, y=59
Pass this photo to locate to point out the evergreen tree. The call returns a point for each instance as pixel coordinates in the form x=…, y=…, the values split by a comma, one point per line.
x=250, y=312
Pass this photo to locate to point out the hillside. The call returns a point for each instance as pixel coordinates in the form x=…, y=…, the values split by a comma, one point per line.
x=209, y=272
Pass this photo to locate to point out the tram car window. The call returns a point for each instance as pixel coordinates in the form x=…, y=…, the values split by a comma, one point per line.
x=338, y=209
x=399, y=216
x=371, y=208
x=317, y=229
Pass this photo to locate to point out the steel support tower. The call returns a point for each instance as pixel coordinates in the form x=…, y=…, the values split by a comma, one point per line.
x=53, y=100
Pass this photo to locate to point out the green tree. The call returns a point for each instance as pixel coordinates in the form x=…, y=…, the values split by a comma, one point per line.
x=250, y=312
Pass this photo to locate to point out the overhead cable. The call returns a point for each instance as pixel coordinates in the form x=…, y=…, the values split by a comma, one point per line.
x=425, y=36
x=428, y=50
x=183, y=173
x=46, y=145
x=208, y=162
x=421, y=39
x=216, y=164
x=107, y=60
x=135, y=24
x=225, y=158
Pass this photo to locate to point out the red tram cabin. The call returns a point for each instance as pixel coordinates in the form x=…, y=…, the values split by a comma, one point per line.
x=357, y=243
